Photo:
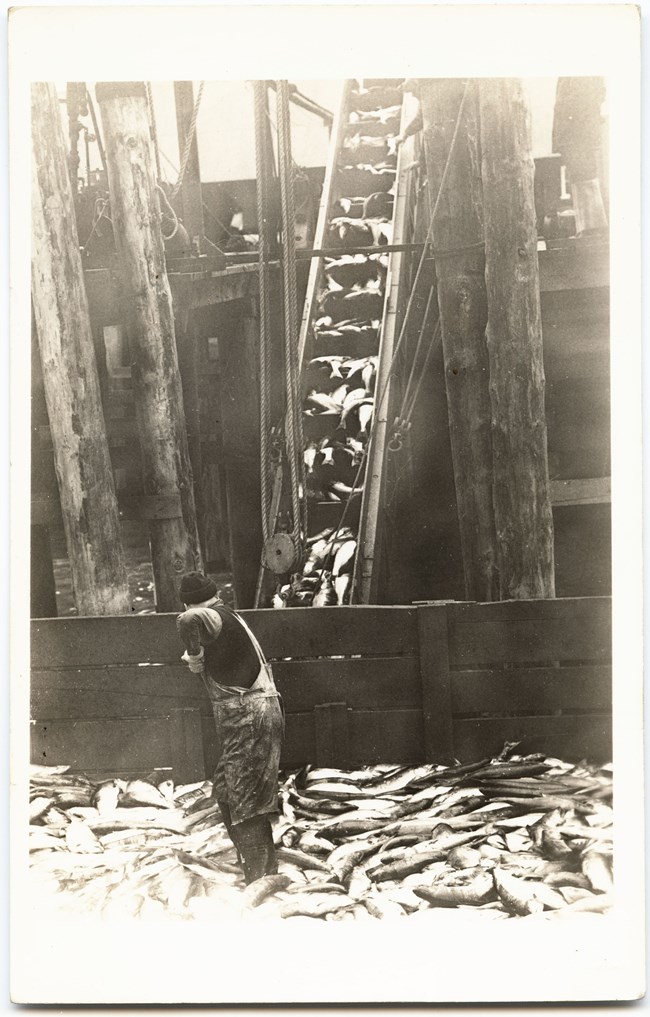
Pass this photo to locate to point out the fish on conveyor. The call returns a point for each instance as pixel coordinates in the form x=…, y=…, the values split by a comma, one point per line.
x=351, y=269
x=365, y=412
x=323, y=404
x=325, y=596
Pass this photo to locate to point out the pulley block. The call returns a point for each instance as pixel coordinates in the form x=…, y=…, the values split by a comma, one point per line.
x=280, y=553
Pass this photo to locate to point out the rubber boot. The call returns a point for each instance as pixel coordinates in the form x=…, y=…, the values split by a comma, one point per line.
x=224, y=809
x=255, y=839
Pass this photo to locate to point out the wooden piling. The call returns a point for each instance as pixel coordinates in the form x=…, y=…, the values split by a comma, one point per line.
x=190, y=189
x=522, y=503
x=457, y=235
x=82, y=461
x=168, y=501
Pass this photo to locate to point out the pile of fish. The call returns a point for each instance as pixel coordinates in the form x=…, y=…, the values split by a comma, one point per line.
x=340, y=379
x=127, y=848
x=514, y=836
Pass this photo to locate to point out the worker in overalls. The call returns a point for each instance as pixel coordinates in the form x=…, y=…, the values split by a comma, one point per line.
x=248, y=716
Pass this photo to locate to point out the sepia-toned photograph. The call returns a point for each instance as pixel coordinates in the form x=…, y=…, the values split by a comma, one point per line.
x=320, y=511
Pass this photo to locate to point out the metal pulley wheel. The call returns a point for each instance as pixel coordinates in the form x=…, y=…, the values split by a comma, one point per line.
x=280, y=553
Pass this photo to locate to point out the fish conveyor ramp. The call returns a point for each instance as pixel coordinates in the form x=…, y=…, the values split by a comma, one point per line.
x=353, y=308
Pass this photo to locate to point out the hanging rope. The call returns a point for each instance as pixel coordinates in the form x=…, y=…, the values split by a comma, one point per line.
x=260, y=93
x=293, y=429
x=188, y=142
x=153, y=128
x=170, y=214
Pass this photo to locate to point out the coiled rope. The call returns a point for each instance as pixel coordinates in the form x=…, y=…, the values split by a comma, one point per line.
x=293, y=429
x=261, y=169
x=188, y=142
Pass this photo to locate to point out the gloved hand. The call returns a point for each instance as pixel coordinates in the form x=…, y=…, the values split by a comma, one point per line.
x=194, y=661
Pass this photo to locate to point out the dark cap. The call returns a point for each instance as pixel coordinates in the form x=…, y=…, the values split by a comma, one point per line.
x=196, y=587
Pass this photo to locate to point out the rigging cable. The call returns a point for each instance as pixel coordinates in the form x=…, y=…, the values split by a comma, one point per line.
x=188, y=142
x=293, y=430
x=261, y=98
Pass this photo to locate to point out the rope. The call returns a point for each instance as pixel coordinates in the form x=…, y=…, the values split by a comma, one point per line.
x=443, y=181
x=188, y=142
x=171, y=214
x=260, y=94
x=153, y=128
x=294, y=435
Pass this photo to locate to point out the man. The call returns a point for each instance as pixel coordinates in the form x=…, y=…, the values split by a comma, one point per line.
x=248, y=717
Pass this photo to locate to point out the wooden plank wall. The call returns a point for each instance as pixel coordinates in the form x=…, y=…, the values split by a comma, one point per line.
x=359, y=684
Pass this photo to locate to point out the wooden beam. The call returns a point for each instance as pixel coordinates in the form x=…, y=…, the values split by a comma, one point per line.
x=587, y=491
x=42, y=588
x=462, y=300
x=522, y=503
x=71, y=385
x=166, y=472
x=191, y=186
x=436, y=689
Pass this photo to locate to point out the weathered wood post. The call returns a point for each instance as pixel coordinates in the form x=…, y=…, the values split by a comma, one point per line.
x=135, y=211
x=522, y=504
x=457, y=235
x=190, y=189
x=81, y=456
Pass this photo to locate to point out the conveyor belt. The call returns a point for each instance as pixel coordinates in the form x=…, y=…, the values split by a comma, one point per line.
x=347, y=335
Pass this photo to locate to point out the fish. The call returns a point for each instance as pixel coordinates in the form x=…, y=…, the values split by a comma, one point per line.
x=323, y=403
x=325, y=596
x=563, y=879
x=261, y=888
x=596, y=868
x=302, y=860
x=358, y=883
x=381, y=906
x=312, y=843
x=309, y=456
x=141, y=792
x=314, y=905
x=316, y=887
x=347, y=856
x=462, y=857
x=353, y=398
x=79, y=837
x=344, y=557
x=517, y=896
x=106, y=796
x=38, y=806
x=365, y=413
x=341, y=587
x=416, y=858
x=40, y=770
x=478, y=891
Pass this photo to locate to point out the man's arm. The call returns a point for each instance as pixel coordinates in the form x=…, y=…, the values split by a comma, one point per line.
x=191, y=625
